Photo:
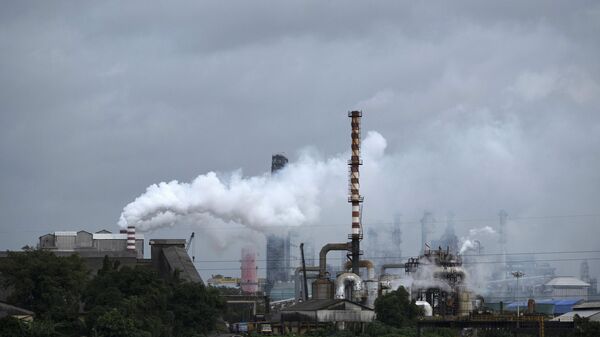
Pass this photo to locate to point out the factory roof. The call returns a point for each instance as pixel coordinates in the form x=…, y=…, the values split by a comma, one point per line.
x=554, y=307
x=11, y=310
x=115, y=236
x=328, y=304
x=567, y=281
x=65, y=233
x=593, y=315
x=587, y=305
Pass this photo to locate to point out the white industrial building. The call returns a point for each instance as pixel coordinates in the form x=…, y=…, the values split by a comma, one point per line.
x=567, y=287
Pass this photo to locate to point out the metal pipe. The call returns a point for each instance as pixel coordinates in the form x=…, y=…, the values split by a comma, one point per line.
x=390, y=266
x=323, y=255
x=343, y=280
x=363, y=264
x=298, y=289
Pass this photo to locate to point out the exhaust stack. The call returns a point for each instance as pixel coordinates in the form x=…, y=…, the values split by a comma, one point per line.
x=355, y=198
x=131, y=238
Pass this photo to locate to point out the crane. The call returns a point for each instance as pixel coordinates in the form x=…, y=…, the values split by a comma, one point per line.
x=189, y=244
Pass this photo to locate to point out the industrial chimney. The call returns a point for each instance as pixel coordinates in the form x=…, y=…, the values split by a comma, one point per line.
x=249, y=281
x=355, y=198
x=131, y=238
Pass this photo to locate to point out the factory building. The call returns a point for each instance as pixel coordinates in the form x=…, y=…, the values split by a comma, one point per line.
x=168, y=256
x=567, y=287
x=83, y=241
x=589, y=310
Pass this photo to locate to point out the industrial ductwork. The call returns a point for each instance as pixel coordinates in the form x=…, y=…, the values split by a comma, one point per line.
x=323, y=255
x=363, y=264
x=391, y=266
x=345, y=280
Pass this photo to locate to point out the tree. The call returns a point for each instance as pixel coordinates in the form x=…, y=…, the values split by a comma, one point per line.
x=195, y=308
x=396, y=309
x=48, y=285
x=137, y=293
x=586, y=328
x=113, y=324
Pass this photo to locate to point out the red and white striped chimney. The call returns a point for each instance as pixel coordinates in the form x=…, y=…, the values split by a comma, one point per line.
x=354, y=163
x=130, y=237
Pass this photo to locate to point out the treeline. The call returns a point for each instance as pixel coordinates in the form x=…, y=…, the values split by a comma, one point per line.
x=117, y=302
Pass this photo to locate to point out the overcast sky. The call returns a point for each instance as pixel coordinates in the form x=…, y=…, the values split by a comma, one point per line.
x=483, y=105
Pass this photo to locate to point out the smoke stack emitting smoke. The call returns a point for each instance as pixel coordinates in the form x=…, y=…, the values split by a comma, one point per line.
x=289, y=198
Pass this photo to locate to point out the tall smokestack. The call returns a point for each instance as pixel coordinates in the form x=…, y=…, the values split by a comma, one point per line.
x=249, y=279
x=131, y=238
x=355, y=198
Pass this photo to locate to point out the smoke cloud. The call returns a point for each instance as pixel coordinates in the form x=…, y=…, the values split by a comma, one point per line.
x=470, y=241
x=290, y=197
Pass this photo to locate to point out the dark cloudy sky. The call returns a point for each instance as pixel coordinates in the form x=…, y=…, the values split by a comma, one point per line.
x=484, y=106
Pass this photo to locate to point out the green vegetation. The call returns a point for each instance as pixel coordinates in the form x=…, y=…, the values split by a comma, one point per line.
x=396, y=310
x=117, y=302
x=135, y=302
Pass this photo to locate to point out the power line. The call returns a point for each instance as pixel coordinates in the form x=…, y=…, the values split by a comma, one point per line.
x=470, y=263
x=409, y=256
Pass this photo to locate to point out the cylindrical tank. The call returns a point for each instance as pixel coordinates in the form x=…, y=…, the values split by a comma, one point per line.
x=322, y=289
x=465, y=306
x=371, y=287
x=249, y=280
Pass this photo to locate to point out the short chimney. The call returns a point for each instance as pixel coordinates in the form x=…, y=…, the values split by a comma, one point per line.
x=131, y=238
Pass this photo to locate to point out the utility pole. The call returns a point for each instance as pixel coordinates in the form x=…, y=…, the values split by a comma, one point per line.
x=517, y=274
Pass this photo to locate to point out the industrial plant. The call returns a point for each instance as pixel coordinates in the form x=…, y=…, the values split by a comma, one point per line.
x=444, y=280
x=300, y=292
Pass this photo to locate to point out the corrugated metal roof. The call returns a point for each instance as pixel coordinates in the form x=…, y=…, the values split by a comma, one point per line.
x=567, y=281
x=593, y=315
x=313, y=305
x=65, y=233
x=587, y=305
x=114, y=236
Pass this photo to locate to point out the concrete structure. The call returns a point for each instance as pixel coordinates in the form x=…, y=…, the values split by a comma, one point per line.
x=99, y=242
x=562, y=287
x=278, y=245
x=169, y=257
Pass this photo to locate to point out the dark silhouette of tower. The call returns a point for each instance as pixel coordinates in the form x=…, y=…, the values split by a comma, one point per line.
x=278, y=246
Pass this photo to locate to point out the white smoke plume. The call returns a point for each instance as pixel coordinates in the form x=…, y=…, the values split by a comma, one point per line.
x=470, y=241
x=291, y=197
